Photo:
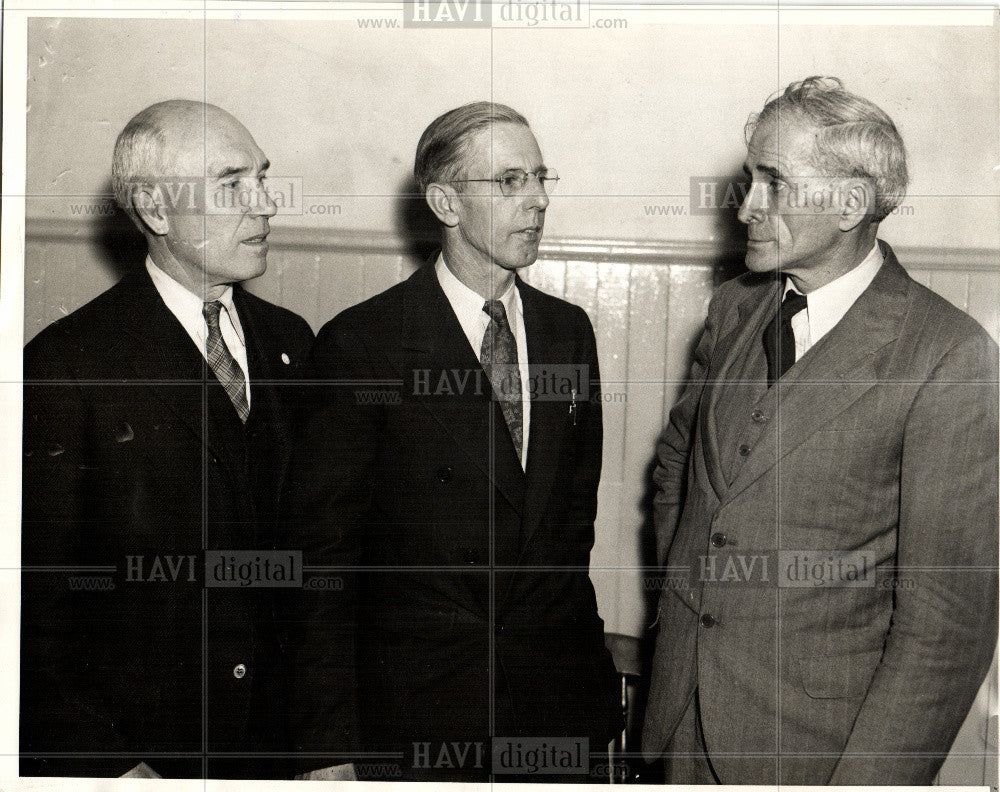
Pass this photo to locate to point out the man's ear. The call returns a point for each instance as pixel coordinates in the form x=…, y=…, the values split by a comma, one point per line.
x=442, y=199
x=858, y=203
x=148, y=205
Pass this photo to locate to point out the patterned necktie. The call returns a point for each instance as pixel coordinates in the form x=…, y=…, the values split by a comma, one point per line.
x=226, y=369
x=499, y=358
x=779, y=339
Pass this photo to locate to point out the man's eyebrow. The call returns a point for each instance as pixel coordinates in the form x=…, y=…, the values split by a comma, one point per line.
x=239, y=171
x=771, y=171
x=225, y=173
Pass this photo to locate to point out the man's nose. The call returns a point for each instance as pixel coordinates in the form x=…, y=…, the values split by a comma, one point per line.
x=754, y=204
x=535, y=196
x=263, y=204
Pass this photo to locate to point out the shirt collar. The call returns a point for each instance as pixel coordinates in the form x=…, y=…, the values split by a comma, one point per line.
x=186, y=305
x=469, y=303
x=827, y=305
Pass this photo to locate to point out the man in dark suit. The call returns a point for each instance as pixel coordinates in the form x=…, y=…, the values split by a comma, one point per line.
x=157, y=428
x=826, y=505
x=449, y=474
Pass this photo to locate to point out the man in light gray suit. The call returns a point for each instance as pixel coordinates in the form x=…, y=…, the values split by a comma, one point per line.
x=826, y=505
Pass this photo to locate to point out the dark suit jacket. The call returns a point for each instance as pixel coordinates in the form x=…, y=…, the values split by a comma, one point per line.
x=881, y=444
x=475, y=589
x=136, y=466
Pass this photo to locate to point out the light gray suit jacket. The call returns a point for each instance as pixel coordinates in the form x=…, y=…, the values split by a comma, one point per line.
x=877, y=449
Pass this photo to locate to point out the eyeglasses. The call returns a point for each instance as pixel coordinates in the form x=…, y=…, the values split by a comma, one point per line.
x=514, y=181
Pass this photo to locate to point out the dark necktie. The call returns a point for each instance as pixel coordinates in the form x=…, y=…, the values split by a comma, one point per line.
x=499, y=358
x=226, y=369
x=779, y=340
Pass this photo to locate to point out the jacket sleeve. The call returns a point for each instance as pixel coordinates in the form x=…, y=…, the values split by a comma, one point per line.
x=944, y=621
x=60, y=712
x=587, y=468
x=673, y=447
x=327, y=496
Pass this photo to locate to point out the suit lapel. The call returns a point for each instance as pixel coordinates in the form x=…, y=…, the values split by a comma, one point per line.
x=753, y=314
x=165, y=359
x=459, y=395
x=547, y=428
x=833, y=374
x=263, y=359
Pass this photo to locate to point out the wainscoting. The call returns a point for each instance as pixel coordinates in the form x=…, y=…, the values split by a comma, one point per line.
x=647, y=301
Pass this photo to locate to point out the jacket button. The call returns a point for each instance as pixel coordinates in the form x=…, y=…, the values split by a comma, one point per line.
x=240, y=671
x=718, y=540
x=758, y=416
x=470, y=557
x=498, y=627
x=708, y=620
x=445, y=474
x=744, y=450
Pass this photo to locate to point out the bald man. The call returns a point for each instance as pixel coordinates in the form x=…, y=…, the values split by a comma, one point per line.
x=157, y=425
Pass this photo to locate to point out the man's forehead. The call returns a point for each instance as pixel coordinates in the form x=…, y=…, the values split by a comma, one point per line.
x=215, y=150
x=782, y=145
x=236, y=160
x=503, y=144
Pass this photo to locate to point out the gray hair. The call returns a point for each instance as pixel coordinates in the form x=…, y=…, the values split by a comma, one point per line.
x=141, y=152
x=444, y=144
x=139, y=155
x=853, y=137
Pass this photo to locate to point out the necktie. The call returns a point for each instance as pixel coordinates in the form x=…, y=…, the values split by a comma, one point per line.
x=226, y=369
x=499, y=358
x=779, y=340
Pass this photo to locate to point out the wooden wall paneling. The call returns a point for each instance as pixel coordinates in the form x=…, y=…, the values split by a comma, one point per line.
x=610, y=315
x=649, y=292
x=691, y=289
x=581, y=287
x=972, y=759
x=548, y=275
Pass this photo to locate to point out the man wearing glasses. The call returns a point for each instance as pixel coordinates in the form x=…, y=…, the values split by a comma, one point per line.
x=451, y=468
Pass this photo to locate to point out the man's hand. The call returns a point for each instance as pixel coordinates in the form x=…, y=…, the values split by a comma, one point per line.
x=344, y=772
x=141, y=770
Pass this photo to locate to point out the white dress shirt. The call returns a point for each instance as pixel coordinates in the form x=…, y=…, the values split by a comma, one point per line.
x=827, y=305
x=468, y=307
x=187, y=307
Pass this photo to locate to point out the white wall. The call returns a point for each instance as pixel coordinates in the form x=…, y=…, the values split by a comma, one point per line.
x=626, y=116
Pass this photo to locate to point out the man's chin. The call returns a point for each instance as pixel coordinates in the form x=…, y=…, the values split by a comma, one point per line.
x=760, y=261
x=254, y=267
x=518, y=264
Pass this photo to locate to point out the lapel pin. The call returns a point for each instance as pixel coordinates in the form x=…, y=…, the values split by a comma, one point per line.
x=572, y=405
x=285, y=359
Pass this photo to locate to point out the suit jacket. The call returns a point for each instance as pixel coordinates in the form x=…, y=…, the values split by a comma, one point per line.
x=136, y=467
x=468, y=576
x=877, y=449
